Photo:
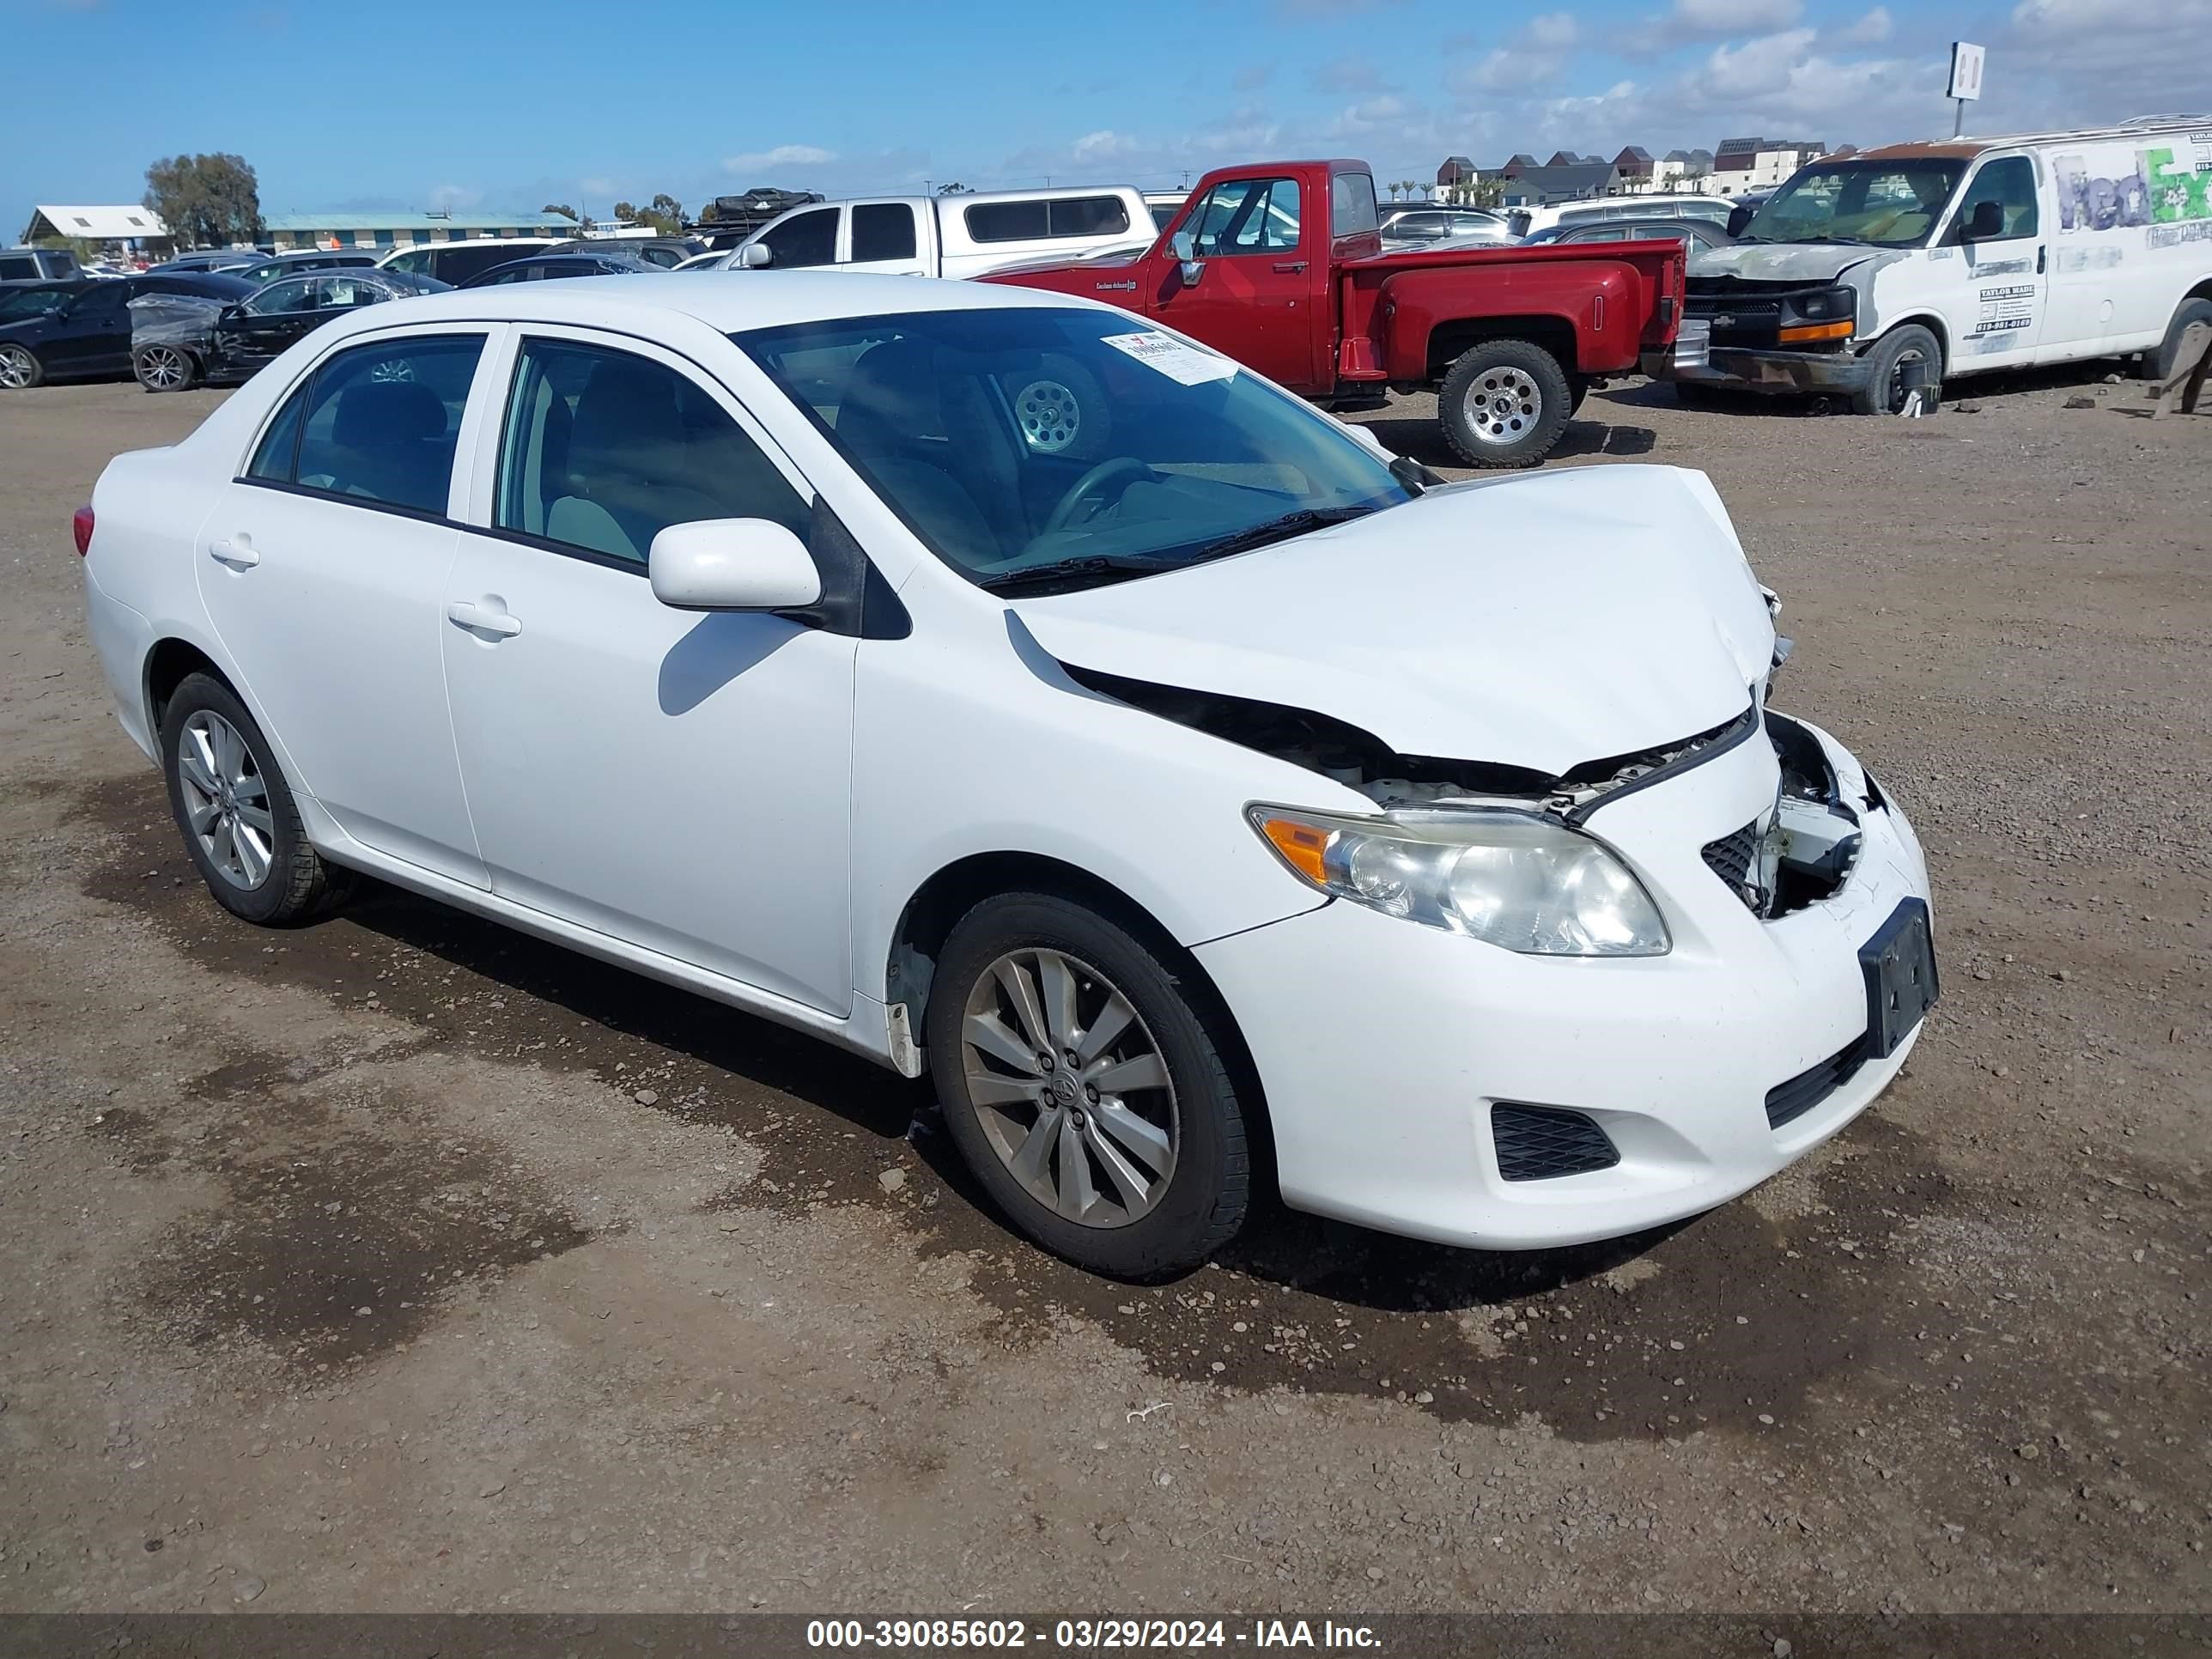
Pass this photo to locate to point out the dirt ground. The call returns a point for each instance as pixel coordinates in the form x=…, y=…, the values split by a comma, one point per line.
x=404, y=1263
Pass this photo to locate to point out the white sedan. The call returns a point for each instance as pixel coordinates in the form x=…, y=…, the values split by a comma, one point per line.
x=996, y=685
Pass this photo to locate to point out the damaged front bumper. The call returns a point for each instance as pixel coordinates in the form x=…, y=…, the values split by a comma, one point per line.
x=1696, y=1075
x=1770, y=369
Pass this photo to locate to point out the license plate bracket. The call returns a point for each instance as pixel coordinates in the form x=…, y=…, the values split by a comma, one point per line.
x=1901, y=983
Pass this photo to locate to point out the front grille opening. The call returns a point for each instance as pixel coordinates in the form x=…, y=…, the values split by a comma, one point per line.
x=1788, y=1101
x=1541, y=1143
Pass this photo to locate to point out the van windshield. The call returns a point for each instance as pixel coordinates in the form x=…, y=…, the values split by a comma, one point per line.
x=1881, y=204
x=1041, y=450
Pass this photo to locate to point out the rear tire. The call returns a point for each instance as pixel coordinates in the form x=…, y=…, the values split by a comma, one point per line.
x=165, y=367
x=2157, y=365
x=1505, y=403
x=1882, y=394
x=19, y=368
x=240, y=825
x=1129, y=1160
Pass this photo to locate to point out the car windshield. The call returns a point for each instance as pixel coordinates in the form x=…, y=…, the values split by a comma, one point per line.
x=1881, y=204
x=1042, y=450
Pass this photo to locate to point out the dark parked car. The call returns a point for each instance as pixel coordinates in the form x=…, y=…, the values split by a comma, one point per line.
x=544, y=268
x=175, y=346
x=1702, y=234
x=667, y=251
x=306, y=259
x=454, y=263
x=223, y=259
x=81, y=329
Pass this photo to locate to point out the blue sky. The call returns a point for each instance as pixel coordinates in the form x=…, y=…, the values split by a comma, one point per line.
x=499, y=105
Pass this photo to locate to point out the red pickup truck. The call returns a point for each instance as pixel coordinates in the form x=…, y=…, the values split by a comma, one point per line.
x=1281, y=267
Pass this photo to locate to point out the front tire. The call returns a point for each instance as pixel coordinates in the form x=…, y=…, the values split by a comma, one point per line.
x=1505, y=403
x=1082, y=1076
x=19, y=368
x=2157, y=365
x=1884, y=391
x=240, y=825
x=164, y=368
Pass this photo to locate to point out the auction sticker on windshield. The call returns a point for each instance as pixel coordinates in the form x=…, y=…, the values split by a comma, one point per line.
x=1173, y=358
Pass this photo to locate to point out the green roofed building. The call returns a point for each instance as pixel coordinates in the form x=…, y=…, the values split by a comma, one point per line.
x=400, y=228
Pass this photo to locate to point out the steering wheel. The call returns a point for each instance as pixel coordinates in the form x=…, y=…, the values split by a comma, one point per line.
x=1088, y=486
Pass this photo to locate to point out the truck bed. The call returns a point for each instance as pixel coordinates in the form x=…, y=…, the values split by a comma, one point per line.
x=1400, y=312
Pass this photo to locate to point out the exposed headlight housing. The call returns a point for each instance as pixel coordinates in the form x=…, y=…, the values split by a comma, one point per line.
x=1514, y=879
x=1823, y=313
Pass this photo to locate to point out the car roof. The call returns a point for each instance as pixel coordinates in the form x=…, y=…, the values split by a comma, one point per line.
x=727, y=301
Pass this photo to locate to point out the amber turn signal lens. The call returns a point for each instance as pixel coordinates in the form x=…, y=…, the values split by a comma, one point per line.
x=1303, y=846
x=1817, y=332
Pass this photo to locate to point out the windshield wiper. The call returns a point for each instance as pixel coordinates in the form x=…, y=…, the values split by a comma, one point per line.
x=1068, y=570
x=1280, y=529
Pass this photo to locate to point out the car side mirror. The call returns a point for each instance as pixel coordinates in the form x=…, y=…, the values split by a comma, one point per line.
x=733, y=564
x=1984, y=223
x=1186, y=253
x=756, y=256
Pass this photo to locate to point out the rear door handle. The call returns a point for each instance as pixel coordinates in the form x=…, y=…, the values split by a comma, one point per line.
x=236, y=551
x=480, y=621
x=1289, y=267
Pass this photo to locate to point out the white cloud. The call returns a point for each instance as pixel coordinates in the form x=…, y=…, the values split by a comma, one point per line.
x=1870, y=29
x=1102, y=145
x=1710, y=17
x=2081, y=16
x=1551, y=31
x=1366, y=116
x=449, y=197
x=1507, y=69
x=783, y=155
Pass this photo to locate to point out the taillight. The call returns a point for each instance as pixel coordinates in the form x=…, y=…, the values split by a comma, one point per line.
x=82, y=525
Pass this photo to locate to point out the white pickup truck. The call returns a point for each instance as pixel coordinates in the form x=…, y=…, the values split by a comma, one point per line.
x=963, y=235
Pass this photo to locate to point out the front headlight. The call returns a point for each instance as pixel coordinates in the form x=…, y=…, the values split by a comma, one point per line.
x=1511, y=879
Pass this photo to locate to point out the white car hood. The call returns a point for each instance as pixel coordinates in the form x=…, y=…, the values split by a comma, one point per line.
x=1784, y=262
x=1543, y=621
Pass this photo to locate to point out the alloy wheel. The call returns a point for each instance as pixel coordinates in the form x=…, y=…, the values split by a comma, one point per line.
x=1503, y=404
x=225, y=800
x=163, y=367
x=1070, y=1088
x=18, y=369
x=1051, y=418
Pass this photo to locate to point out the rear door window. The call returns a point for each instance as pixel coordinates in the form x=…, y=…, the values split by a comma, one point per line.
x=883, y=230
x=379, y=424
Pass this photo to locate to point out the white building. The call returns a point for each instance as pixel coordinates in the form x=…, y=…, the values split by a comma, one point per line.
x=133, y=224
x=1747, y=164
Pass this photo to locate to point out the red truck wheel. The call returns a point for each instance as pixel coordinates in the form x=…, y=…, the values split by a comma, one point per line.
x=1505, y=403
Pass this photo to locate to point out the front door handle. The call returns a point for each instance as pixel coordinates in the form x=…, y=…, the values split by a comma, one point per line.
x=2042, y=257
x=236, y=551
x=478, y=620
x=1291, y=267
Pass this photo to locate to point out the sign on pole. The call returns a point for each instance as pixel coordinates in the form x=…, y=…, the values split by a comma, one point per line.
x=1965, y=79
x=1965, y=69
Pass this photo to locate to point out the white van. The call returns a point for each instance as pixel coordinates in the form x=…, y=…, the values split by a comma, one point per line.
x=1867, y=272
x=949, y=236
